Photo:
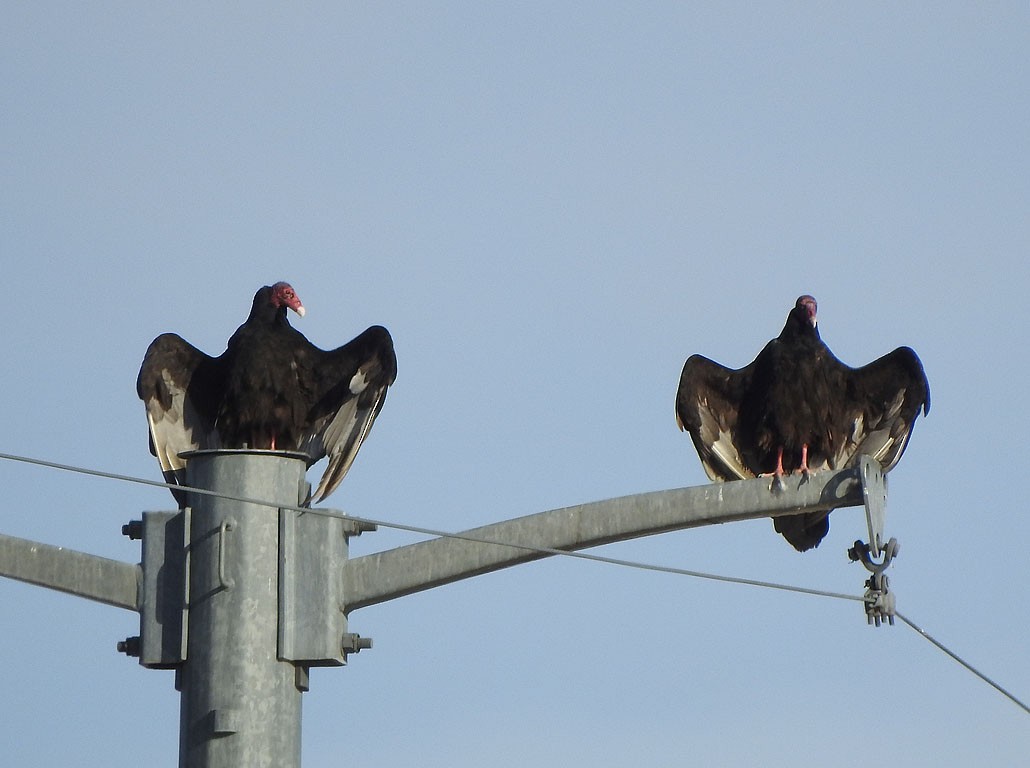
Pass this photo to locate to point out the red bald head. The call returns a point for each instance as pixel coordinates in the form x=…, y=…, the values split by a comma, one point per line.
x=807, y=305
x=283, y=295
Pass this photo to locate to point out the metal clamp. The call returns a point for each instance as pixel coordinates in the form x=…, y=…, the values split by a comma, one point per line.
x=352, y=527
x=879, y=600
x=874, y=494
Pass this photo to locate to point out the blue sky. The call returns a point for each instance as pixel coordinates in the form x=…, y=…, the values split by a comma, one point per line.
x=550, y=205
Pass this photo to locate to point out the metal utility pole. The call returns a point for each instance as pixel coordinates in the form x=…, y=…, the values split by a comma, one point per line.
x=242, y=592
x=240, y=704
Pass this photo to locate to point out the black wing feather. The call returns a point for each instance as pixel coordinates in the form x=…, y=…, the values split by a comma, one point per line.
x=883, y=400
x=347, y=387
x=708, y=406
x=175, y=383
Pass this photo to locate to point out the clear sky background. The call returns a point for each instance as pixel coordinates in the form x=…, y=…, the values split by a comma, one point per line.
x=550, y=205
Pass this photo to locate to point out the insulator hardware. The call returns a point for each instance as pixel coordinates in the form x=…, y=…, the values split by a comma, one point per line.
x=879, y=600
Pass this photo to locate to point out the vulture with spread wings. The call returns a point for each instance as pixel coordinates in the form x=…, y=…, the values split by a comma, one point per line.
x=797, y=408
x=270, y=389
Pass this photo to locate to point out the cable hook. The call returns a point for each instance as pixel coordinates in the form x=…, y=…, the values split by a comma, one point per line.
x=879, y=600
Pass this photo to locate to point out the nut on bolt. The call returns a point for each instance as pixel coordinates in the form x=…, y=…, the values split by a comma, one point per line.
x=129, y=646
x=353, y=643
x=133, y=529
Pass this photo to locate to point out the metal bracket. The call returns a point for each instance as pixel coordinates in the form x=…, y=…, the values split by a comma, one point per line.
x=349, y=526
x=874, y=495
x=879, y=600
x=353, y=527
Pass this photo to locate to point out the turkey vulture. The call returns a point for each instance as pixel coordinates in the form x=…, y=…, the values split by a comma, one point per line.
x=270, y=389
x=797, y=408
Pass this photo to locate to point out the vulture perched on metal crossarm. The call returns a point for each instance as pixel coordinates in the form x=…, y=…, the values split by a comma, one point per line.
x=797, y=408
x=270, y=389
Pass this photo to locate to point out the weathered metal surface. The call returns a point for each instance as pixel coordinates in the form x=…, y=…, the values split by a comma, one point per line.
x=240, y=704
x=312, y=554
x=874, y=490
x=163, y=610
x=383, y=576
x=66, y=570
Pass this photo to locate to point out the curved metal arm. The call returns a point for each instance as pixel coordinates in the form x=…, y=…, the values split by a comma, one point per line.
x=401, y=571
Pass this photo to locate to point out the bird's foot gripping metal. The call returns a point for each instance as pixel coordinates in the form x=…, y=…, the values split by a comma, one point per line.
x=879, y=600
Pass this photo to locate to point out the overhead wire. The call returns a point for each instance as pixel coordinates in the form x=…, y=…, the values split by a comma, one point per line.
x=432, y=531
x=940, y=646
x=535, y=549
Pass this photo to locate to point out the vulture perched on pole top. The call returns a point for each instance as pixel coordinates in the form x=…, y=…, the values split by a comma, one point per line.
x=270, y=389
x=797, y=409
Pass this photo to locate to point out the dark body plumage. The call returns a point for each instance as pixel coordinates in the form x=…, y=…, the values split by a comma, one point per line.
x=270, y=389
x=796, y=407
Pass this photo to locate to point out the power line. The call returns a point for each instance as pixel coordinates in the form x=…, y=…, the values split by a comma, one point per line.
x=435, y=532
x=963, y=662
x=539, y=550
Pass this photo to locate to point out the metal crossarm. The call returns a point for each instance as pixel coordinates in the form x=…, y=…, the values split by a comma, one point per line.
x=382, y=576
x=66, y=570
x=243, y=592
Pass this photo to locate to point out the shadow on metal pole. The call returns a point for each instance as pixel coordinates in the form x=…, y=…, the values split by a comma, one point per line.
x=240, y=705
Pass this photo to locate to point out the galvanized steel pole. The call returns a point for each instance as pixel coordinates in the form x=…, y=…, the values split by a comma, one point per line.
x=240, y=705
x=261, y=593
x=386, y=575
